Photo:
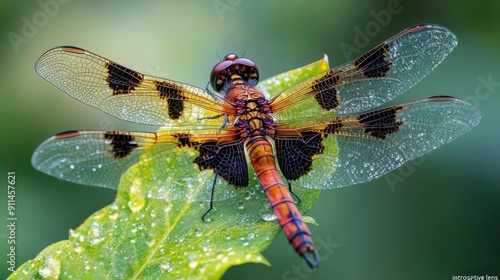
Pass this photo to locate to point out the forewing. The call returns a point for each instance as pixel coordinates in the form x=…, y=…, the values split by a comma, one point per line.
x=372, y=79
x=346, y=150
x=125, y=93
x=177, y=160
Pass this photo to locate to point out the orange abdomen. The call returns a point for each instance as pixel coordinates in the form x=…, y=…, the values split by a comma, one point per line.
x=262, y=159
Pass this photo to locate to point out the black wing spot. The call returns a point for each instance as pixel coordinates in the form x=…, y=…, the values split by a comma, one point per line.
x=121, y=144
x=227, y=161
x=381, y=122
x=122, y=80
x=184, y=140
x=325, y=90
x=375, y=63
x=175, y=101
x=295, y=155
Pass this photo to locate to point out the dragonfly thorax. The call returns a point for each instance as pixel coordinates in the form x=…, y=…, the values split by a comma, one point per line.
x=253, y=112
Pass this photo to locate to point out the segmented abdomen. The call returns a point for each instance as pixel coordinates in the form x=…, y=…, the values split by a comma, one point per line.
x=262, y=159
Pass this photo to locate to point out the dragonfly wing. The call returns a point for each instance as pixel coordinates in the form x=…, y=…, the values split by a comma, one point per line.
x=125, y=93
x=372, y=79
x=347, y=150
x=176, y=161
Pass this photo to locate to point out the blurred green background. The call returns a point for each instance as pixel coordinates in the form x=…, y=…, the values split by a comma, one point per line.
x=442, y=216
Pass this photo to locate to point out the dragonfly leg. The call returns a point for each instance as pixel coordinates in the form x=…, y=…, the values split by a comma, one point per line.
x=211, y=198
x=290, y=190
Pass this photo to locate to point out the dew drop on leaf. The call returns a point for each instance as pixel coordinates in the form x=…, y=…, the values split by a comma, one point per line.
x=241, y=205
x=113, y=216
x=198, y=232
x=204, y=247
x=165, y=266
x=193, y=264
x=269, y=217
x=51, y=269
x=136, y=203
x=244, y=241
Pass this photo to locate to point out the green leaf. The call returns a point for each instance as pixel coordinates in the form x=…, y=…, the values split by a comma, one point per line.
x=140, y=236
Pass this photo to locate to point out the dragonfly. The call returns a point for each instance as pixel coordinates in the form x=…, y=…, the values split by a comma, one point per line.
x=326, y=131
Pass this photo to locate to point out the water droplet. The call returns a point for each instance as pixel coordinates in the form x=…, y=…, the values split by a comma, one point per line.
x=244, y=241
x=151, y=242
x=113, y=216
x=240, y=205
x=205, y=247
x=247, y=195
x=228, y=236
x=153, y=224
x=73, y=233
x=132, y=241
x=136, y=203
x=96, y=234
x=193, y=264
x=251, y=235
x=51, y=269
x=72, y=166
x=198, y=232
x=78, y=249
x=269, y=217
x=165, y=266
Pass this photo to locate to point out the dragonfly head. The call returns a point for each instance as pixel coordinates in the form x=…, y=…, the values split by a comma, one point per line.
x=233, y=69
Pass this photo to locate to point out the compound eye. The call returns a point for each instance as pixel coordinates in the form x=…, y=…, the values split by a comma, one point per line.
x=216, y=71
